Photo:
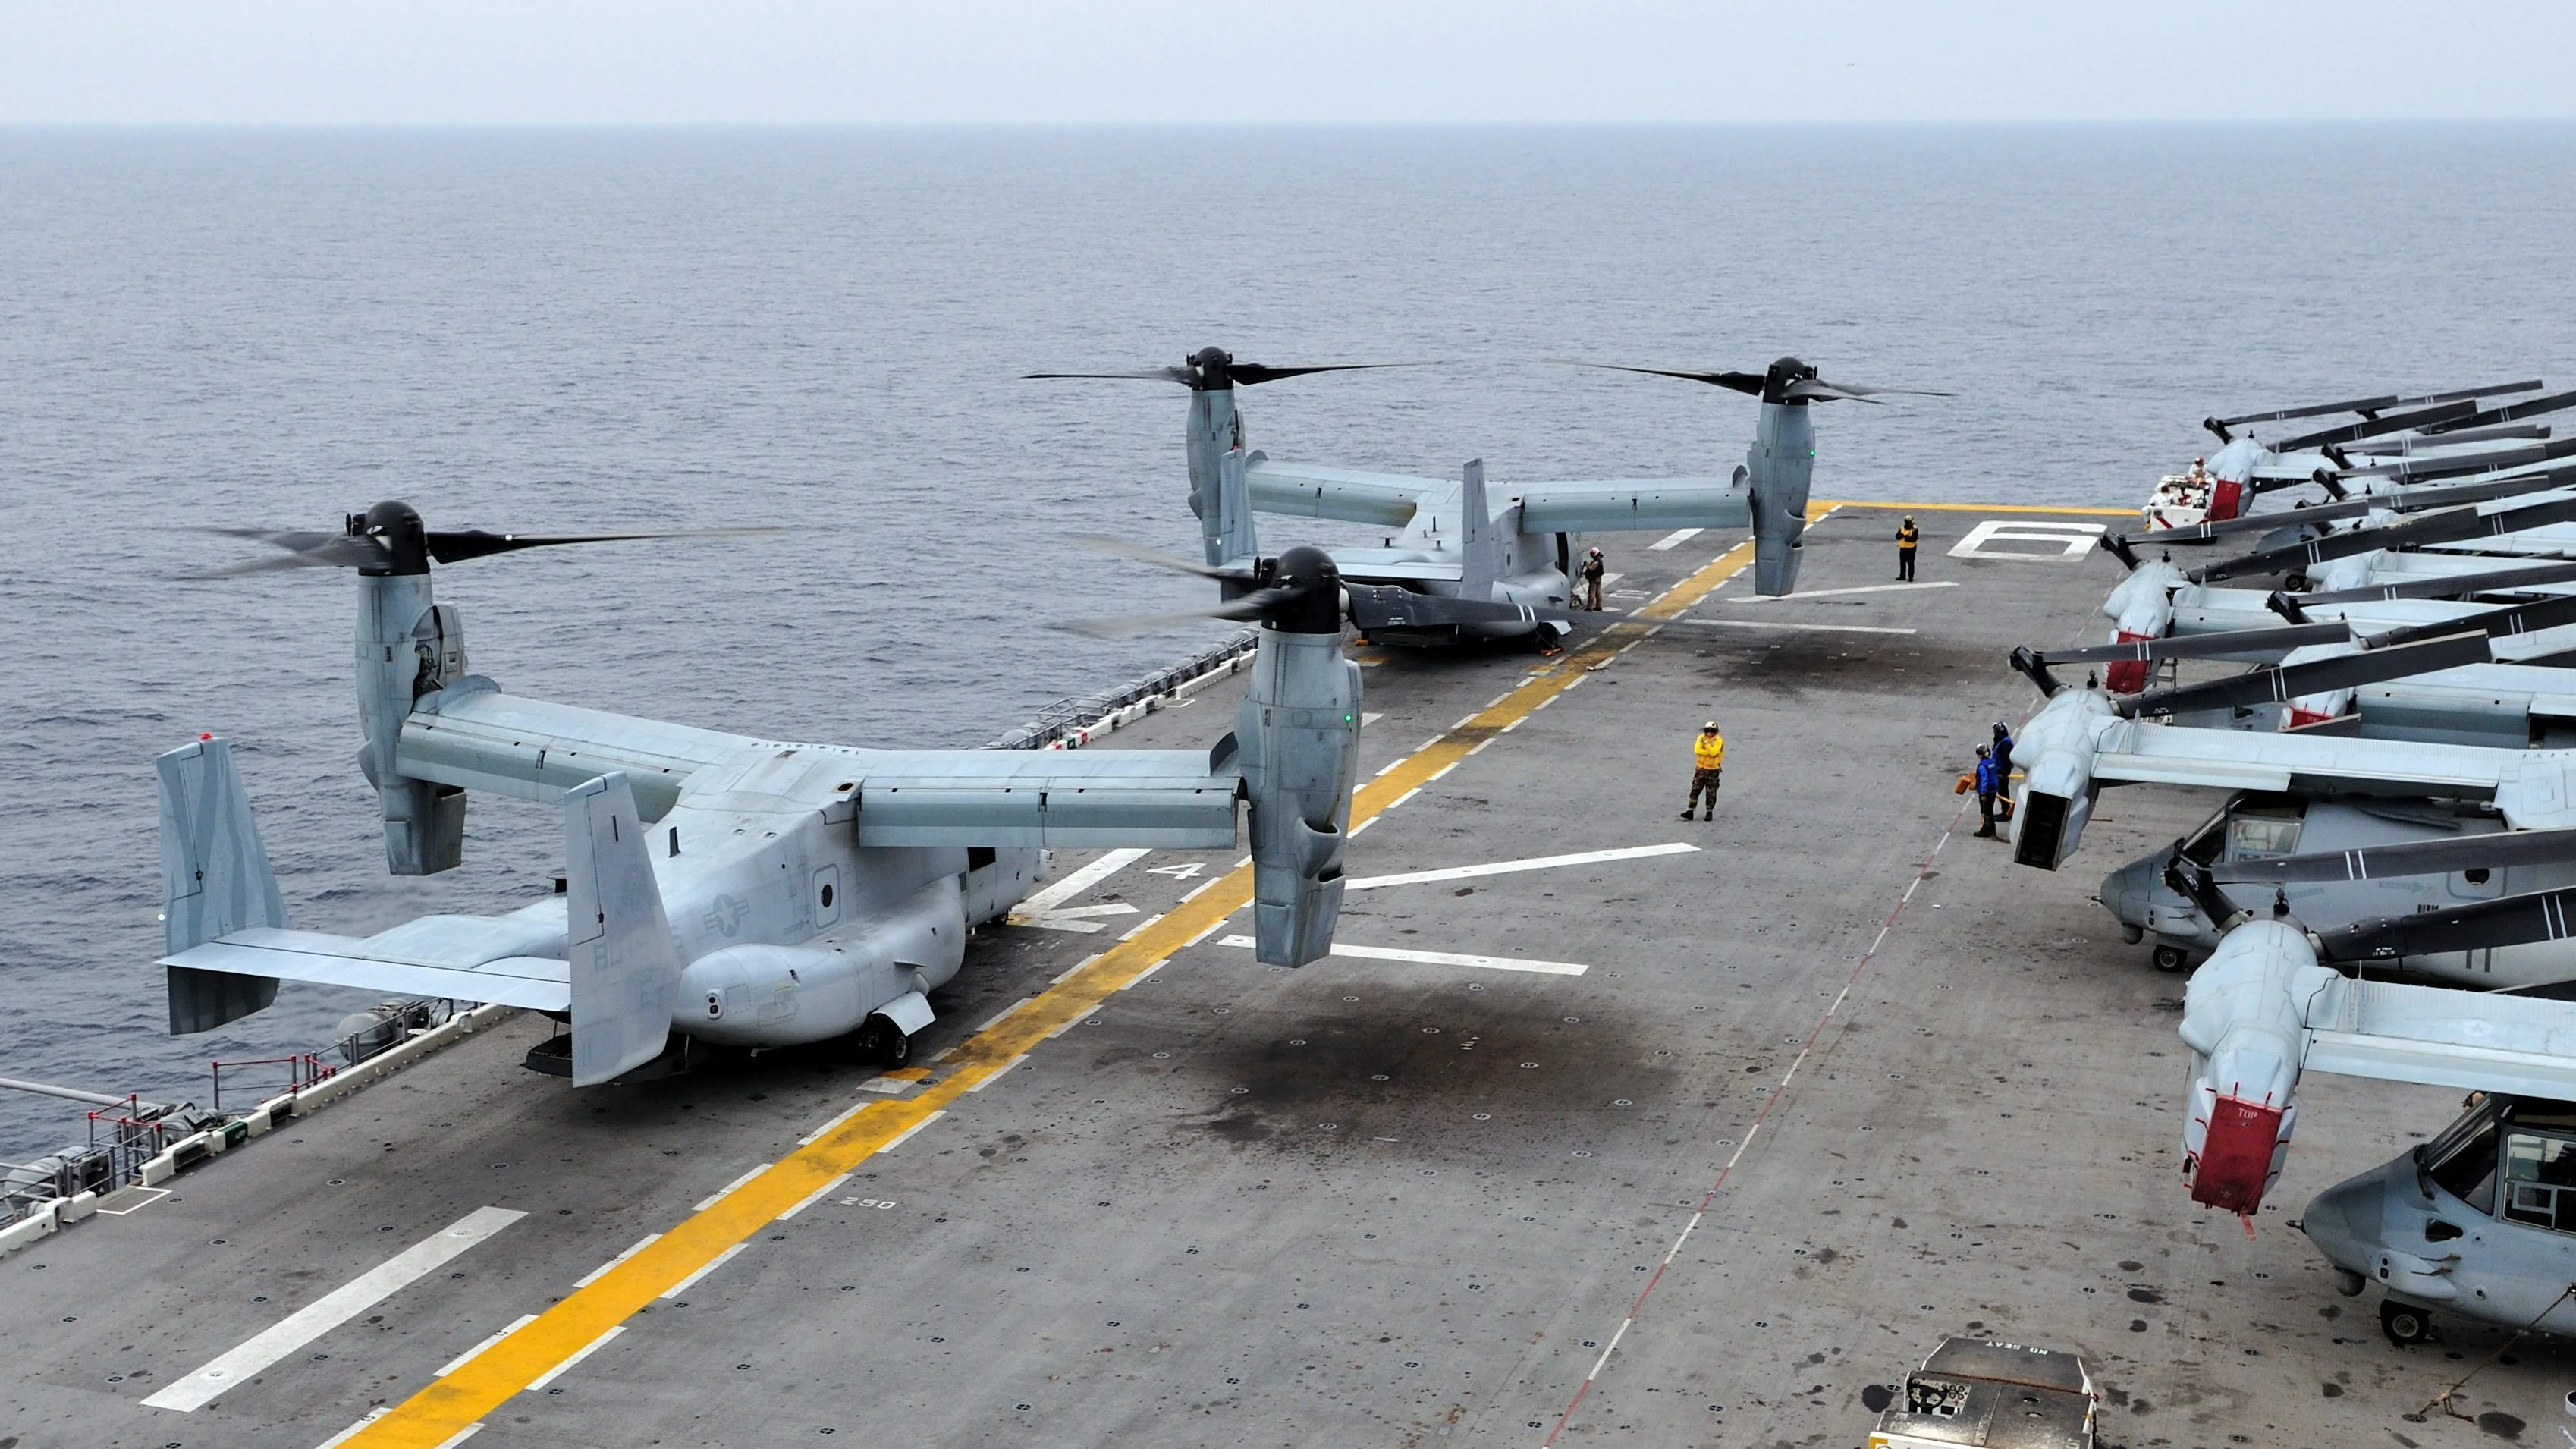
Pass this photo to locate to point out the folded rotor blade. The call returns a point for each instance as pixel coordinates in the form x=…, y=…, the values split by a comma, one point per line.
x=2375, y=404
x=1744, y=382
x=2412, y=500
x=2281, y=683
x=2555, y=402
x=2447, y=586
x=1387, y=606
x=2454, y=526
x=458, y=546
x=2449, y=442
x=2498, y=623
x=2203, y=646
x=2506, y=921
x=304, y=549
x=2492, y=850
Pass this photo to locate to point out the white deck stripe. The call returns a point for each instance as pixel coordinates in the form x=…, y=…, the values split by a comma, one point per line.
x=905, y=1135
x=332, y=1309
x=460, y=1436
x=815, y=1196
x=1508, y=867
x=1781, y=624
x=1673, y=540
x=594, y=1346
x=584, y=1281
x=1837, y=593
x=720, y=1194
x=674, y=1291
x=371, y=1416
x=1442, y=958
x=471, y=1354
x=1039, y=902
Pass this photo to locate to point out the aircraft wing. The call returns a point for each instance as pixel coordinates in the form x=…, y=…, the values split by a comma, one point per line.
x=471, y=734
x=2443, y=1037
x=1311, y=490
x=1396, y=565
x=1173, y=799
x=379, y=964
x=1611, y=505
x=2261, y=760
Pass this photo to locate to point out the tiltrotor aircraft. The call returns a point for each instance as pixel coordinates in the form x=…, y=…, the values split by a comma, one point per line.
x=2398, y=435
x=2468, y=1223
x=721, y=888
x=1479, y=567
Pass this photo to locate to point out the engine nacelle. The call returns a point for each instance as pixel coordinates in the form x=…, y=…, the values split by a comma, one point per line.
x=1298, y=732
x=2140, y=608
x=2055, y=798
x=2244, y=1020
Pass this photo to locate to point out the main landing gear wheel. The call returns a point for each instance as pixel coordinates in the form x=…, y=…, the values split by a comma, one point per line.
x=883, y=1043
x=2405, y=1325
x=2168, y=958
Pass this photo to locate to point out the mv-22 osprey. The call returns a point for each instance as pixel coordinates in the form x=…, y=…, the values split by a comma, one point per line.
x=1457, y=565
x=720, y=888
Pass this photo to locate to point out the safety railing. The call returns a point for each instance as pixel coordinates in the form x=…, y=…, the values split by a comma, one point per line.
x=302, y=1070
x=1074, y=714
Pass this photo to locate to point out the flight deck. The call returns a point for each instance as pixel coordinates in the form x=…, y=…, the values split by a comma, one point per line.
x=1599, y=1127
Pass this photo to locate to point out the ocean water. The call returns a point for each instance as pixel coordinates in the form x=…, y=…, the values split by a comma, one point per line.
x=822, y=330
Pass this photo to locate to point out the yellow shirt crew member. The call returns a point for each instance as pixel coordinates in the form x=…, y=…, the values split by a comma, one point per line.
x=1708, y=752
x=1907, y=536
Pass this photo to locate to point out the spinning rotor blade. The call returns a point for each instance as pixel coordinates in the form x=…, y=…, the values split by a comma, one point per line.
x=2453, y=526
x=2491, y=851
x=2450, y=585
x=1744, y=382
x=2202, y=646
x=2375, y=404
x=458, y=546
x=1816, y=389
x=1215, y=368
x=1137, y=551
x=1246, y=609
x=2506, y=921
x=304, y=549
x=2281, y=683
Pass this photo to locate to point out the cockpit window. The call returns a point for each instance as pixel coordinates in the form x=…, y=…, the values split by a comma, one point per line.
x=2206, y=842
x=2259, y=837
x=2540, y=1180
x=2465, y=1166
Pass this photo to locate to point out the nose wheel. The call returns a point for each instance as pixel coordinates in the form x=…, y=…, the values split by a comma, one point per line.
x=2405, y=1324
x=2168, y=958
x=882, y=1043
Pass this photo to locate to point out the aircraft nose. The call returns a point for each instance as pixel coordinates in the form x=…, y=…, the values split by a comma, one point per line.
x=2343, y=1221
x=2124, y=895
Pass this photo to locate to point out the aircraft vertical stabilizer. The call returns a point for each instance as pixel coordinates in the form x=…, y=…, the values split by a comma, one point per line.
x=215, y=879
x=624, y=963
x=1479, y=547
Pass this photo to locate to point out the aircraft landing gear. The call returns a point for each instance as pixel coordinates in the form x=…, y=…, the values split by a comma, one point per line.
x=884, y=1044
x=1549, y=639
x=2168, y=958
x=2405, y=1325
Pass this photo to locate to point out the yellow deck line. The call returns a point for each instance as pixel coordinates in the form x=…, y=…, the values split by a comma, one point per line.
x=479, y=1387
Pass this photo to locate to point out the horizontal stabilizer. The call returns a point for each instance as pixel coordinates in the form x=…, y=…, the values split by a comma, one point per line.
x=536, y=982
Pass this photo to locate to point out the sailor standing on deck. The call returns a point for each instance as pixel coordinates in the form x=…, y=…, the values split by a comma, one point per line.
x=1907, y=536
x=1708, y=754
x=1591, y=577
x=1986, y=784
x=2003, y=748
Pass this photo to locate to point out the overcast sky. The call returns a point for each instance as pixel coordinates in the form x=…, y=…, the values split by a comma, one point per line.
x=1160, y=61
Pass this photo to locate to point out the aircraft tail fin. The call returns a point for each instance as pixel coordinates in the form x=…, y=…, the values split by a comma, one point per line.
x=625, y=966
x=1479, y=544
x=215, y=879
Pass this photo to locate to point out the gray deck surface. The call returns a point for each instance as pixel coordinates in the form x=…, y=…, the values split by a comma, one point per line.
x=1382, y=1203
